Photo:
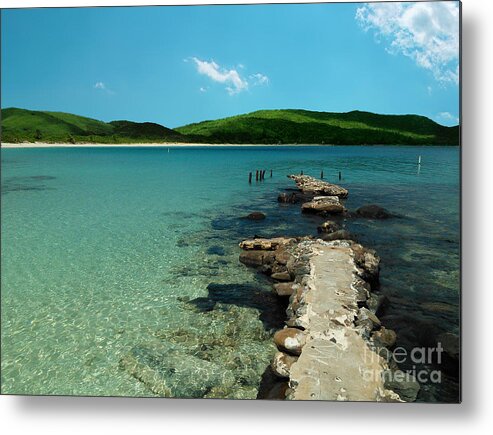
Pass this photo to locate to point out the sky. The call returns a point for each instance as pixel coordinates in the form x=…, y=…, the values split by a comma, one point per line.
x=175, y=65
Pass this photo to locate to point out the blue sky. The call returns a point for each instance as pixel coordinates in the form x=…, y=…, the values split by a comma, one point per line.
x=176, y=65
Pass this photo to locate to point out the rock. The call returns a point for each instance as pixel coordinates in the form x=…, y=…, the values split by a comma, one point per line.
x=282, y=255
x=255, y=216
x=256, y=258
x=328, y=227
x=365, y=313
x=265, y=244
x=290, y=340
x=169, y=372
x=403, y=383
x=284, y=198
x=439, y=307
x=368, y=261
x=281, y=364
x=377, y=303
x=373, y=211
x=313, y=186
x=323, y=205
x=336, y=235
x=281, y=276
x=384, y=337
x=285, y=289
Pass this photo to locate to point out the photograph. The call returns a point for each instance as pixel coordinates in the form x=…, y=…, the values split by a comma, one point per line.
x=235, y=201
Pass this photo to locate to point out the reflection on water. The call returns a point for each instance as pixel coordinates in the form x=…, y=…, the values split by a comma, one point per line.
x=118, y=263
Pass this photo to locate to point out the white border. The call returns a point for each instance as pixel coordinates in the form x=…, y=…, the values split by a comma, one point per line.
x=161, y=416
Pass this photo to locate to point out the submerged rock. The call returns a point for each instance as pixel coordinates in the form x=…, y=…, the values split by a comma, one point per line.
x=168, y=372
x=216, y=250
x=373, y=211
x=255, y=216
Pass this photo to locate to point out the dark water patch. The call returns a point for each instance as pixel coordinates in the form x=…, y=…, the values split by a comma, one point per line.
x=26, y=184
x=216, y=250
x=272, y=310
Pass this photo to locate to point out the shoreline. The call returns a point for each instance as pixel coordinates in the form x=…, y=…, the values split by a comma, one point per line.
x=34, y=145
x=146, y=145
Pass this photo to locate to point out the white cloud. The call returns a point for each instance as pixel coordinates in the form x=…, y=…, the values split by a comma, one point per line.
x=259, y=79
x=233, y=80
x=447, y=118
x=102, y=87
x=427, y=32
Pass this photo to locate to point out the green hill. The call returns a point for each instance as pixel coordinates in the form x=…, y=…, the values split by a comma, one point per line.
x=19, y=125
x=307, y=127
x=263, y=127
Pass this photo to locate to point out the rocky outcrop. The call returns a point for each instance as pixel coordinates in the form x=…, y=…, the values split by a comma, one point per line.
x=312, y=186
x=323, y=205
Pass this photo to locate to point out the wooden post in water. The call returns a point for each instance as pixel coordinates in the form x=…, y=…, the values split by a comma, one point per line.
x=340, y=175
x=419, y=160
x=271, y=173
x=263, y=174
x=321, y=174
x=256, y=176
x=250, y=178
x=301, y=173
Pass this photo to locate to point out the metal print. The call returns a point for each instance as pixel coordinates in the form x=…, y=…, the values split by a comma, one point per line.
x=232, y=202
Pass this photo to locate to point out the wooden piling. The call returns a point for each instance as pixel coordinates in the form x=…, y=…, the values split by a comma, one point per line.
x=256, y=176
x=250, y=178
x=301, y=173
x=271, y=173
x=321, y=175
x=340, y=175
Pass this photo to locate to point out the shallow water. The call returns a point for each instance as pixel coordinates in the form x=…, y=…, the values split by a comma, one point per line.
x=112, y=258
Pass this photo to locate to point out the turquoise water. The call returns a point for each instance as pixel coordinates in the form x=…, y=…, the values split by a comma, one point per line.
x=114, y=257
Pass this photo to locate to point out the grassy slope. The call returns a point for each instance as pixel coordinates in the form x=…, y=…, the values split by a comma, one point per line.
x=265, y=126
x=20, y=125
x=302, y=126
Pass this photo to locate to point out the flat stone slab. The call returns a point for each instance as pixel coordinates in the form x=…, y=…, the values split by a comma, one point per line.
x=311, y=185
x=323, y=205
x=336, y=362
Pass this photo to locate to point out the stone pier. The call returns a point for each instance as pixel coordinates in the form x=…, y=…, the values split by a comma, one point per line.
x=333, y=347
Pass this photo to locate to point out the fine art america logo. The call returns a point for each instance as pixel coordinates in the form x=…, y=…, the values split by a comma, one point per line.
x=421, y=359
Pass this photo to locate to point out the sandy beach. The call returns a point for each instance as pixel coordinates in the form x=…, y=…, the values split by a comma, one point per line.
x=141, y=145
